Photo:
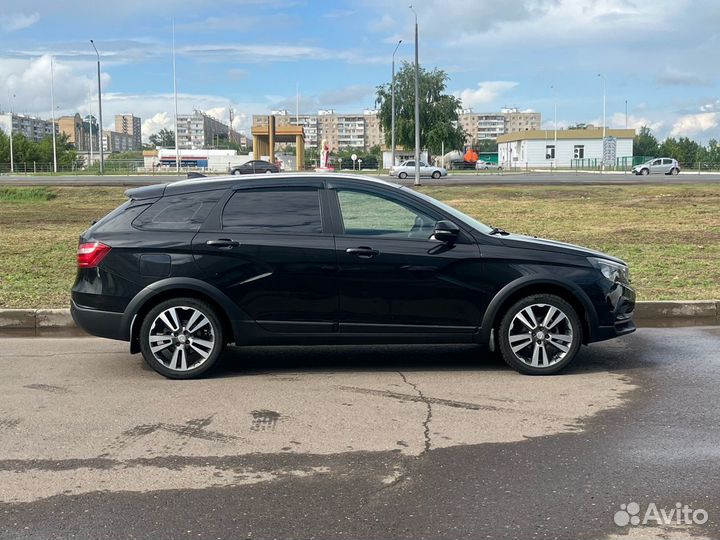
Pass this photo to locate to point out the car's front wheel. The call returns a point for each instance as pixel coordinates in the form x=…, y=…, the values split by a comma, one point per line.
x=181, y=338
x=402, y=175
x=644, y=172
x=540, y=334
x=236, y=171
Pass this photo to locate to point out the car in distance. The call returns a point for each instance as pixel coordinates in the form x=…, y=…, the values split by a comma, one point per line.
x=481, y=165
x=182, y=269
x=255, y=166
x=657, y=166
x=407, y=168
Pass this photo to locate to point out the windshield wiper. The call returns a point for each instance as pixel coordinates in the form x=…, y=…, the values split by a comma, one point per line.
x=498, y=230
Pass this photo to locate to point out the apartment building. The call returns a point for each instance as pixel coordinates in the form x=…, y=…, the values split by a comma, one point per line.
x=198, y=130
x=492, y=125
x=79, y=130
x=361, y=130
x=115, y=141
x=131, y=125
x=35, y=129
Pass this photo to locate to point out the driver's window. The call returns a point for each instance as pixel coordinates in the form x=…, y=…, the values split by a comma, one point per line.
x=657, y=162
x=366, y=214
x=410, y=164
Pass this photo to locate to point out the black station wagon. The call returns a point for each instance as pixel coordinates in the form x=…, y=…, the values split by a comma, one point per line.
x=182, y=269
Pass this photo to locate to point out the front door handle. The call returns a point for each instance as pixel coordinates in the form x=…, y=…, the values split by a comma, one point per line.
x=362, y=252
x=223, y=242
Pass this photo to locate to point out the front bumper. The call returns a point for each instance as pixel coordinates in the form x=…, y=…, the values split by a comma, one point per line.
x=619, y=300
x=105, y=324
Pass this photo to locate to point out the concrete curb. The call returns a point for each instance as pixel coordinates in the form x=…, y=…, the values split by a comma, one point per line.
x=59, y=322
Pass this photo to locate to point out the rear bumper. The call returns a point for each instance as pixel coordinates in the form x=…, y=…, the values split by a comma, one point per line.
x=105, y=324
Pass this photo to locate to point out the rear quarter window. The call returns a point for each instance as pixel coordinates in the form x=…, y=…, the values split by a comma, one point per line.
x=185, y=212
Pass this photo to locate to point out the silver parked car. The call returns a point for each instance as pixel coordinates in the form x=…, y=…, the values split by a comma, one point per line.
x=407, y=168
x=657, y=166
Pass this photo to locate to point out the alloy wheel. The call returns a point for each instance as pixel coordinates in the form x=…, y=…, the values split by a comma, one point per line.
x=182, y=338
x=540, y=335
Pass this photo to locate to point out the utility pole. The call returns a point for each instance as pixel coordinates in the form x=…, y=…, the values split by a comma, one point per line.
x=417, y=104
x=52, y=104
x=100, y=119
x=392, y=105
x=626, y=118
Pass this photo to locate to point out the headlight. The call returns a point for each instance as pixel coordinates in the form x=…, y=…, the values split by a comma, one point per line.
x=611, y=270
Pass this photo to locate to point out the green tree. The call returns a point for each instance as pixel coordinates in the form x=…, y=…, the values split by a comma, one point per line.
x=645, y=143
x=438, y=111
x=685, y=150
x=164, y=137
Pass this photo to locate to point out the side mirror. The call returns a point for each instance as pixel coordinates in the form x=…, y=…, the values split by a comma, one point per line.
x=446, y=231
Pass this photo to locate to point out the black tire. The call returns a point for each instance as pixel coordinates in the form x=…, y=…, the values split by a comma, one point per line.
x=675, y=172
x=236, y=172
x=436, y=174
x=548, y=350
x=644, y=172
x=402, y=175
x=210, y=332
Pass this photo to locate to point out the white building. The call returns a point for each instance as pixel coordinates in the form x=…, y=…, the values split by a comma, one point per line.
x=35, y=129
x=209, y=160
x=575, y=147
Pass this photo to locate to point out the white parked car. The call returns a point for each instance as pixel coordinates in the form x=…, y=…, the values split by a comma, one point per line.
x=407, y=168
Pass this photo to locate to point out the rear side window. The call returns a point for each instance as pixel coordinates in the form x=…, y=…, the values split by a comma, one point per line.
x=279, y=210
x=179, y=212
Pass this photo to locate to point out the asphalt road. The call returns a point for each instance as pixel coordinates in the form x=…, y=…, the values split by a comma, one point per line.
x=347, y=442
x=557, y=178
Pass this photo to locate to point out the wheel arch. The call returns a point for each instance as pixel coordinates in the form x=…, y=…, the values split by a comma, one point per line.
x=169, y=288
x=524, y=287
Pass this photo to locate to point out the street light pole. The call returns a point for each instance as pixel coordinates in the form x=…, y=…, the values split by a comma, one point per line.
x=417, y=104
x=602, y=77
x=177, y=146
x=626, y=118
x=52, y=104
x=555, y=147
x=100, y=120
x=392, y=106
x=12, y=161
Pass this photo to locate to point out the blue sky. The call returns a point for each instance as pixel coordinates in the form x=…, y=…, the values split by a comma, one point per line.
x=660, y=56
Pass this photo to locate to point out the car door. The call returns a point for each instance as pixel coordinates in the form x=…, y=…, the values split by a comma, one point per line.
x=656, y=166
x=394, y=278
x=268, y=247
x=425, y=169
x=667, y=165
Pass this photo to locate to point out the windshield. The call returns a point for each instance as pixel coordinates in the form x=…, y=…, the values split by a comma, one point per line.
x=464, y=218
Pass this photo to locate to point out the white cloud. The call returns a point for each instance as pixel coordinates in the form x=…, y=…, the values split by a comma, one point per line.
x=17, y=21
x=29, y=82
x=617, y=120
x=486, y=93
x=677, y=77
x=161, y=120
x=694, y=124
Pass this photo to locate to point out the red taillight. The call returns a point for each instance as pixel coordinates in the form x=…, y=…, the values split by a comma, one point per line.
x=90, y=254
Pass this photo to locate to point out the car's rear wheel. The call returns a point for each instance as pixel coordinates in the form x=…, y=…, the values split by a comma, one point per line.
x=268, y=171
x=540, y=334
x=181, y=338
x=402, y=175
x=644, y=172
x=436, y=174
x=675, y=172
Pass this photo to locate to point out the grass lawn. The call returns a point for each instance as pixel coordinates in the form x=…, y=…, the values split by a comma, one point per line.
x=670, y=235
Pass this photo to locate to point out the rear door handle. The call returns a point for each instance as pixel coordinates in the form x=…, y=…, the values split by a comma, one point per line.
x=223, y=242
x=362, y=252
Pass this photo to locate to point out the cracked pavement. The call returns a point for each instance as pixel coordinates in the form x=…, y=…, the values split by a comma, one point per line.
x=398, y=442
